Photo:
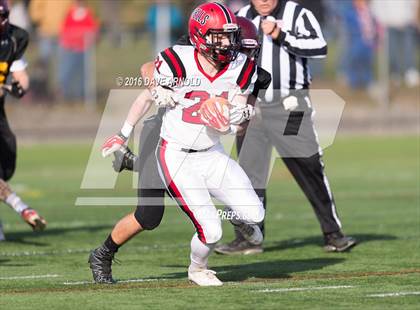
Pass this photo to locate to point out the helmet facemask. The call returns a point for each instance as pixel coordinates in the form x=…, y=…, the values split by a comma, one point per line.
x=216, y=49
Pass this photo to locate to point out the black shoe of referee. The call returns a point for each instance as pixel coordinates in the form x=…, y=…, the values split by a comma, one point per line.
x=338, y=242
x=100, y=261
x=238, y=246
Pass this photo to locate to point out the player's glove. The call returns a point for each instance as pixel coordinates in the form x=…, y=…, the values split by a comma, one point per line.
x=290, y=103
x=16, y=90
x=113, y=144
x=163, y=96
x=124, y=160
x=238, y=114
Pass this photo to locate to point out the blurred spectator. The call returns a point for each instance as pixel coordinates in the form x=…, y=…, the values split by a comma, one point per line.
x=111, y=26
x=165, y=23
x=19, y=14
x=359, y=29
x=48, y=16
x=400, y=19
x=76, y=38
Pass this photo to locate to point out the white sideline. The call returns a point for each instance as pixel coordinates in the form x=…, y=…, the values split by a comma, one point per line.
x=122, y=281
x=394, y=294
x=30, y=277
x=299, y=289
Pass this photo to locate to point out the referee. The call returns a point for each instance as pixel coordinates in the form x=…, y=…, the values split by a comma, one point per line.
x=290, y=35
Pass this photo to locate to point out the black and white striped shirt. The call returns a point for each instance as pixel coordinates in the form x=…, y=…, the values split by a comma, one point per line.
x=286, y=57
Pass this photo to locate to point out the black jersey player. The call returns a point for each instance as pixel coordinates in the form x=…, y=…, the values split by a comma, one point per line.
x=13, y=43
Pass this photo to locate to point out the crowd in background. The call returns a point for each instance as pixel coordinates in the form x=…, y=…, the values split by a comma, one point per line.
x=66, y=30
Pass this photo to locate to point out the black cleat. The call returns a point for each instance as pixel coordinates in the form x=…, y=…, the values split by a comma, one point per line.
x=338, y=242
x=100, y=261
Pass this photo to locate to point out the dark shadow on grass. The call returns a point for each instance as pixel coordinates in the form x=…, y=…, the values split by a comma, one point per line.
x=274, y=269
x=21, y=236
x=317, y=240
x=5, y=263
x=26, y=242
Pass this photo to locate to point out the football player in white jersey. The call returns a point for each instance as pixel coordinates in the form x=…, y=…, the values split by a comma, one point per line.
x=191, y=160
x=192, y=163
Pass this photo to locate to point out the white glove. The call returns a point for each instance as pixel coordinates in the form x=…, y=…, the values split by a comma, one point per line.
x=163, y=97
x=239, y=114
x=290, y=103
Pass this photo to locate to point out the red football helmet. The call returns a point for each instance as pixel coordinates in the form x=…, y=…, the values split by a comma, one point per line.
x=214, y=32
x=4, y=16
x=250, y=44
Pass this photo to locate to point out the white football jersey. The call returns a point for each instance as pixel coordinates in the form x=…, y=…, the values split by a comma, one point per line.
x=179, y=66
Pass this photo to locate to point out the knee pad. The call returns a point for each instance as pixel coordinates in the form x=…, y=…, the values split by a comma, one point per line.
x=149, y=217
x=259, y=218
x=213, y=233
x=151, y=207
x=255, y=215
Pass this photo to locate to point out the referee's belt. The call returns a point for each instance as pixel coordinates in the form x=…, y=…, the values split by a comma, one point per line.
x=165, y=143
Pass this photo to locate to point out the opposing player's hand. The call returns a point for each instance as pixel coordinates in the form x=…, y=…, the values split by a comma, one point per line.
x=113, y=144
x=240, y=114
x=163, y=97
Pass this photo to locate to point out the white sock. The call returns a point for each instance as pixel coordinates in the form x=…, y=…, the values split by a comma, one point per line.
x=200, y=253
x=16, y=203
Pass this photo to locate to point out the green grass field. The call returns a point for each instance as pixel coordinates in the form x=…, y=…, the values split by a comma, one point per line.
x=376, y=184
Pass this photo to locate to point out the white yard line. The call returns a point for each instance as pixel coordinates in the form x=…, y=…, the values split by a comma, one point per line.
x=394, y=294
x=300, y=289
x=30, y=277
x=122, y=281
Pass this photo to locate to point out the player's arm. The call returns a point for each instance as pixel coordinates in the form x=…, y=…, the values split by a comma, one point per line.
x=243, y=104
x=138, y=110
x=165, y=72
x=20, y=80
x=262, y=83
x=144, y=101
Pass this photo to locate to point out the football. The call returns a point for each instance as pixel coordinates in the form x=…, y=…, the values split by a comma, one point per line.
x=214, y=112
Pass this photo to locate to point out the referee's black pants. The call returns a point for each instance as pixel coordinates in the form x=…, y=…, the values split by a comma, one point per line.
x=295, y=139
